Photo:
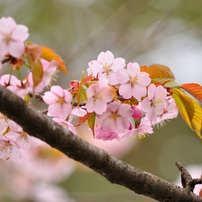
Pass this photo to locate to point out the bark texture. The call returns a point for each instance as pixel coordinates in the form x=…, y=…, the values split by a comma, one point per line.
x=116, y=171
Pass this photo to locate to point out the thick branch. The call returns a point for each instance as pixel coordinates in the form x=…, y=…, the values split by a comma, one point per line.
x=116, y=171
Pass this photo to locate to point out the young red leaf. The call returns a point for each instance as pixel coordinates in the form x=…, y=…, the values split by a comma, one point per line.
x=33, y=51
x=49, y=54
x=156, y=71
x=143, y=68
x=194, y=89
x=83, y=119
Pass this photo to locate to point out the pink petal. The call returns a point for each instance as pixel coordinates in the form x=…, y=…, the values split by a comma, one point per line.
x=122, y=125
x=16, y=49
x=146, y=105
x=138, y=92
x=161, y=92
x=122, y=76
x=118, y=63
x=106, y=94
x=55, y=110
x=3, y=49
x=143, y=79
x=100, y=107
x=50, y=98
x=20, y=33
x=7, y=25
x=66, y=109
x=151, y=91
x=90, y=105
x=107, y=57
x=125, y=110
x=91, y=91
x=133, y=69
x=109, y=125
x=57, y=90
x=125, y=90
x=67, y=96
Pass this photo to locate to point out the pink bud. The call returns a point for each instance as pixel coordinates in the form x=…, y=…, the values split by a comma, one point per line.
x=137, y=114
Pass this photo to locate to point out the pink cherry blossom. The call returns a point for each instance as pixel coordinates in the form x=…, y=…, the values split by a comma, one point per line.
x=14, y=85
x=170, y=112
x=105, y=135
x=144, y=128
x=98, y=96
x=155, y=103
x=59, y=101
x=133, y=82
x=49, y=69
x=9, y=149
x=12, y=37
x=115, y=119
x=20, y=137
x=106, y=66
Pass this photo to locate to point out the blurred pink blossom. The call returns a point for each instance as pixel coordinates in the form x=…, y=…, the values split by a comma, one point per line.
x=12, y=37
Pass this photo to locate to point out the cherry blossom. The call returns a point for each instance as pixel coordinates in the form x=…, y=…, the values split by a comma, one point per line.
x=115, y=119
x=59, y=101
x=105, y=135
x=155, y=103
x=12, y=37
x=106, y=66
x=98, y=96
x=21, y=138
x=9, y=149
x=170, y=112
x=133, y=82
x=14, y=85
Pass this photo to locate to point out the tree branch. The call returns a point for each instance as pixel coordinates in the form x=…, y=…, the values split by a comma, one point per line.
x=39, y=125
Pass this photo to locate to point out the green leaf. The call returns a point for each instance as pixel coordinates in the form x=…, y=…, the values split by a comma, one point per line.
x=167, y=82
x=91, y=122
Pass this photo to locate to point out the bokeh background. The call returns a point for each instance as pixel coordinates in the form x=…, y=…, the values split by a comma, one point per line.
x=144, y=31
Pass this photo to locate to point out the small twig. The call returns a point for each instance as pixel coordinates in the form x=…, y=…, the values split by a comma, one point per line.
x=187, y=181
x=37, y=96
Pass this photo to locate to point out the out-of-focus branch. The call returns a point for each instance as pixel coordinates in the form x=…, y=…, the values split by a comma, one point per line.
x=41, y=126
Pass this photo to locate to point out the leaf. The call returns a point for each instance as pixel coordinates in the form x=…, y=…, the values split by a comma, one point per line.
x=156, y=71
x=81, y=95
x=143, y=68
x=37, y=72
x=48, y=54
x=33, y=51
x=190, y=110
x=91, y=122
x=166, y=82
x=83, y=119
x=194, y=89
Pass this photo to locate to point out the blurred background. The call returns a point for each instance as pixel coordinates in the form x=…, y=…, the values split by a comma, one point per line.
x=144, y=31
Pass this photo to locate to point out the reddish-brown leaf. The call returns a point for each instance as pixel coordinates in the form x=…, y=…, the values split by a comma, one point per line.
x=194, y=89
x=156, y=71
x=83, y=119
x=143, y=68
x=49, y=54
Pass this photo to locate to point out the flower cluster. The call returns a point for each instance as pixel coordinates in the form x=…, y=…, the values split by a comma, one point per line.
x=116, y=99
